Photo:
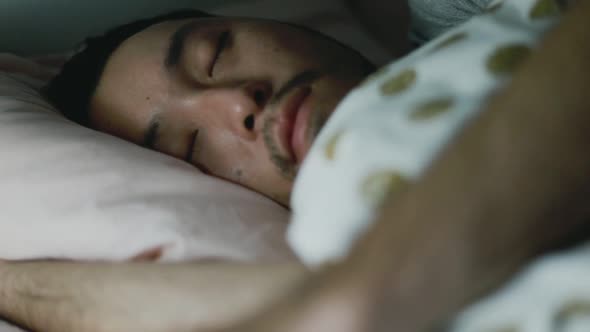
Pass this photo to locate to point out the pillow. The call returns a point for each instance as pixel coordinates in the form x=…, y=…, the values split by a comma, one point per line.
x=69, y=192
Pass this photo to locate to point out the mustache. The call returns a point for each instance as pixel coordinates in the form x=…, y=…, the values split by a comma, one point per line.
x=283, y=163
x=303, y=77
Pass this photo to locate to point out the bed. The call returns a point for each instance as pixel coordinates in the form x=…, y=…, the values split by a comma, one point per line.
x=72, y=193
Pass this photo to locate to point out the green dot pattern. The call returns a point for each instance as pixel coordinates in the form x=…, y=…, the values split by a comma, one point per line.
x=545, y=9
x=383, y=183
x=399, y=83
x=432, y=109
x=451, y=40
x=506, y=59
x=330, y=150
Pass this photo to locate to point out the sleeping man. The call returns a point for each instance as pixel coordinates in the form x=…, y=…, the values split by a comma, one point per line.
x=407, y=224
x=227, y=95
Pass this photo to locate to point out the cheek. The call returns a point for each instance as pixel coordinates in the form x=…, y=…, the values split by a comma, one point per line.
x=243, y=163
x=236, y=174
x=225, y=155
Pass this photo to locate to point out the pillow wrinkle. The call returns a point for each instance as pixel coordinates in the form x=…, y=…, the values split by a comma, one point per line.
x=69, y=192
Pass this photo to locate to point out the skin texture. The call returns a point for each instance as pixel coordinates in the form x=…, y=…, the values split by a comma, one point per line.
x=498, y=196
x=221, y=106
x=140, y=296
x=402, y=276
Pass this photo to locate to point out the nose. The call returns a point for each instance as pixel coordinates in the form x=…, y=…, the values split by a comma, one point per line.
x=243, y=106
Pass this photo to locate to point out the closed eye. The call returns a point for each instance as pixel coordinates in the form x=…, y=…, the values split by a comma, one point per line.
x=222, y=43
x=192, y=146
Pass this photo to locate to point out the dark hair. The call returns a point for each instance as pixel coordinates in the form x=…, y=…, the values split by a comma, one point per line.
x=71, y=90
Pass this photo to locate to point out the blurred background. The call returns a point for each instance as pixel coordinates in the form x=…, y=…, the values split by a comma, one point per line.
x=32, y=27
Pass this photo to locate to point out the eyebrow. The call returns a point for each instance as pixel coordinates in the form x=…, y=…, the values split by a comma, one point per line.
x=176, y=46
x=152, y=134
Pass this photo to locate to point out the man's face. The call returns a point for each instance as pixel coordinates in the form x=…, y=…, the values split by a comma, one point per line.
x=240, y=99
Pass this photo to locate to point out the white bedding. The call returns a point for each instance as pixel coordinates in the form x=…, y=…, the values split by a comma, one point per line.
x=388, y=130
x=69, y=192
x=80, y=200
x=5, y=327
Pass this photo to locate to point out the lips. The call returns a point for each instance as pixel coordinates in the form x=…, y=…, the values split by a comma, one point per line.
x=292, y=123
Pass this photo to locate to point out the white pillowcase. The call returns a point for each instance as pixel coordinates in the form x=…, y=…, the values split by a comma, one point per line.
x=74, y=193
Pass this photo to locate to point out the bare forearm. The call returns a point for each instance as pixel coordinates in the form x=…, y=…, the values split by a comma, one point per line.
x=515, y=182
x=138, y=297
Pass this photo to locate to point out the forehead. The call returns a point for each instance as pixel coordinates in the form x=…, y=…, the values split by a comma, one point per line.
x=149, y=47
